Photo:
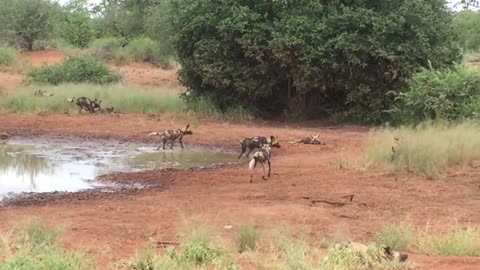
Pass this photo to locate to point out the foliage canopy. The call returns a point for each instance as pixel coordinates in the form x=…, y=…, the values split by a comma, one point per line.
x=309, y=57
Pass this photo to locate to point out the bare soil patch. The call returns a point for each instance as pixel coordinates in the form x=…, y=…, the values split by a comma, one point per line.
x=112, y=227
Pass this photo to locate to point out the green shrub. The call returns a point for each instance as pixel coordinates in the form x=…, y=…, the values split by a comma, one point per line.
x=34, y=247
x=105, y=48
x=77, y=69
x=8, y=56
x=450, y=95
x=248, y=238
x=141, y=49
x=426, y=149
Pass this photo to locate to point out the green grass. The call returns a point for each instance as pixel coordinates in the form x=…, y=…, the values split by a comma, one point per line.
x=33, y=246
x=453, y=240
x=248, y=238
x=426, y=149
x=125, y=99
x=8, y=56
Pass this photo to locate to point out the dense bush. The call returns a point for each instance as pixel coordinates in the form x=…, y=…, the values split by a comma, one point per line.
x=22, y=22
x=8, y=56
x=467, y=25
x=309, y=57
x=144, y=49
x=75, y=70
x=453, y=94
x=106, y=48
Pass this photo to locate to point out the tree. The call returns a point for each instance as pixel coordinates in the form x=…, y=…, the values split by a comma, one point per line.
x=309, y=57
x=78, y=25
x=467, y=25
x=22, y=22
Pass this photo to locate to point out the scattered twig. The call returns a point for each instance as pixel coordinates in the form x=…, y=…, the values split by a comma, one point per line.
x=167, y=243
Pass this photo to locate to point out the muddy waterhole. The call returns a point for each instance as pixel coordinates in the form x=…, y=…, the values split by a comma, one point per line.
x=38, y=165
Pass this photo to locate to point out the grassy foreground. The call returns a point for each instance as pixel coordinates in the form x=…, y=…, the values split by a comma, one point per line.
x=426, y=149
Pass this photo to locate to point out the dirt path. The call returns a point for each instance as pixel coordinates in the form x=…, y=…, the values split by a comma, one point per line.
x=113, y=227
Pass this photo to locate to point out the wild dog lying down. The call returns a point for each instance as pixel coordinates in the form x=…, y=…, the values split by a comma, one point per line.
x=312, y=139
x=172, y=135
x=87, y=104
x=255, y=143
x=42, y=93
x=373, y=254
x=262, y=155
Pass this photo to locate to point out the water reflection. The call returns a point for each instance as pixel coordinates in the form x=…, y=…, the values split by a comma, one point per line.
x=19, y=162
x=181, y=160
x=15, y=158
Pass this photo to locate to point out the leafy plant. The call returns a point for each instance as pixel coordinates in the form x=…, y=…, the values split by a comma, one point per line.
x=248, y=238
x=77, y=69
x=452, y=94
x=8, y=56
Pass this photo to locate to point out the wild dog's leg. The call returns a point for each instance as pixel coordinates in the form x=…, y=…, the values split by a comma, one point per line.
x=171, y=145
x=252, y=165
x=269, y=167
x=243, y=151
x=263, y=176
x=181, y=142
x=248, y=153
x=164, y=141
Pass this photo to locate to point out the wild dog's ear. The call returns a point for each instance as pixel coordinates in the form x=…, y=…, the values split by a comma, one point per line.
x=99, y=102
x=188, y=125
x=272, y=139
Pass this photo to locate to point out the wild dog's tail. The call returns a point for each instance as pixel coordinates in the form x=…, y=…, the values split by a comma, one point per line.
x=251, y=165
x=153, y=134
x=70, y=99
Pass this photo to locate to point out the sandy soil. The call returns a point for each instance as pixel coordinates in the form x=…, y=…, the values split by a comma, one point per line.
x=111, y=227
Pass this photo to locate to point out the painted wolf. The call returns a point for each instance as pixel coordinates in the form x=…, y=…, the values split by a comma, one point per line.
x=172, y=135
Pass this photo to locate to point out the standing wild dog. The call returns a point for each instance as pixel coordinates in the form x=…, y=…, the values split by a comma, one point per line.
x=255, y=143
x=172, y=135
x=312, y=139
x=87, y=104
x=262, y=155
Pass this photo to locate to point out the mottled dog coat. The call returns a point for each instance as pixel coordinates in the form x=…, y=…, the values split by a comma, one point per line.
x=255, y=143
x=172, y=135
x=262, y=156
x=387, y=253
x=87, y=104
x=312, y=139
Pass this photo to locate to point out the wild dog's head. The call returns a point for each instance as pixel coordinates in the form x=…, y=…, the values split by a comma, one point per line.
x=394, y=256
x=186, y=130
x=96, y=105
x=273, y=142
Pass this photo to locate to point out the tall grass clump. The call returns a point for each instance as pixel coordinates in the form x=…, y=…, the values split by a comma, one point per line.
x=426, y=149
x=78, y=69
x=397, y=236
x=452, y=240
x=197, y=250
x=204, y=106
x=123, y=98
x=34, y=247
x=452, y=94
x=8, y=56
x=248, y=238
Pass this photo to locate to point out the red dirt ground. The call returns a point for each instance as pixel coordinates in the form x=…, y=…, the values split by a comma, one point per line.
x=110, y=228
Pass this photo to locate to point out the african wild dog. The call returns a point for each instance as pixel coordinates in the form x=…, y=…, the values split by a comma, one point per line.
x=385, y=253
x=312, y=139
x=172, y=135
x=262, y=155
x=87, y=104
x=256, y=143
x=42, y=93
